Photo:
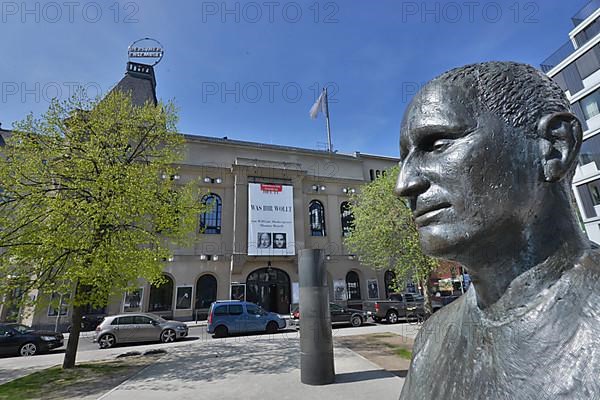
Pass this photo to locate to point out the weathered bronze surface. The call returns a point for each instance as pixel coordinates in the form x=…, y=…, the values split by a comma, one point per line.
x=488, y=154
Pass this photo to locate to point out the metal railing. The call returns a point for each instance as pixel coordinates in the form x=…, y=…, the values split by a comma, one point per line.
x=559, y=55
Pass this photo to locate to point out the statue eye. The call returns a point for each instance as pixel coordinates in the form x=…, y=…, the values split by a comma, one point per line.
x=440, y=144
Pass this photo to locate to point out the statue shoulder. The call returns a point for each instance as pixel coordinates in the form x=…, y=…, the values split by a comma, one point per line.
x=451, y=315
x=587, y=269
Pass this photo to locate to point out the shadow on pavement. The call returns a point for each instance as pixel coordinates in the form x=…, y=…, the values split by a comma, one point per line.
x=400, y=372
x=227, y=357
x=259, y=333
x=360, y=376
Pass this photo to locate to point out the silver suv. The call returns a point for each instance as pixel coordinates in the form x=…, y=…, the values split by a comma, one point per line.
x=138, y=328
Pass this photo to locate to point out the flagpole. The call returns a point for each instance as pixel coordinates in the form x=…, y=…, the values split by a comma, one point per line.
x=329, y=147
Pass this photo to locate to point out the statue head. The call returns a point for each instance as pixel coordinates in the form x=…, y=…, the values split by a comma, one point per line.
x=488, y=152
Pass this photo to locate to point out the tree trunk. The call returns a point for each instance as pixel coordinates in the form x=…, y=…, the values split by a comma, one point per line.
x=425, y=284
x=73, y=342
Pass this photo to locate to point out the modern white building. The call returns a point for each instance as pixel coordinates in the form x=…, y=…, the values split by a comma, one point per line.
x=575, y=66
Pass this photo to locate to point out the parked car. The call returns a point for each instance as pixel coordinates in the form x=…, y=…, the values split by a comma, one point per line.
x=339, y=315
x=141, y=327
x=398, y=305
x=234, y=316
x=22, y=340
x=88, y=323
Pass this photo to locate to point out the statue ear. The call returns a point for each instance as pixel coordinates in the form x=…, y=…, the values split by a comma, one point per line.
x=561, y=136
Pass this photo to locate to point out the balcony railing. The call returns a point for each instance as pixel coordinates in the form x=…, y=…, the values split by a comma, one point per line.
x=559, y=55
x=585, y=12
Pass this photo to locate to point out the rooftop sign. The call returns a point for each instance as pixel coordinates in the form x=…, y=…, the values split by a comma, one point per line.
x=143, y=49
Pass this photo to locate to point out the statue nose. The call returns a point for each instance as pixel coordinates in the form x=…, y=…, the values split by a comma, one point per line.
x=410, y=184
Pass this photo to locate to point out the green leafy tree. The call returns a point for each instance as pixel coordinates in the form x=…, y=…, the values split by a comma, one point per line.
x=384, y=235
x=88, y=205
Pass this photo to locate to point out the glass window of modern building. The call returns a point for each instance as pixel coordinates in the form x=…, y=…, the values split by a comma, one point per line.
x=591, y=104
x=589, y=193
x=590, y=151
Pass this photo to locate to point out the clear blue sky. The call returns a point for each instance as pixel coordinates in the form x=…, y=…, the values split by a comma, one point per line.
x=373, y=54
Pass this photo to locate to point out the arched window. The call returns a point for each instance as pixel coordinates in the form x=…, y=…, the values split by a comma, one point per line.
x=210, y=221
x=161, y=297
x=347, y=218
x=353, y=285
x=316, y=214
x=206, y=291
x=389, y=282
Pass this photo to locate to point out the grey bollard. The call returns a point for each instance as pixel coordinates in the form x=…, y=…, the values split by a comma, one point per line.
x=316, y=341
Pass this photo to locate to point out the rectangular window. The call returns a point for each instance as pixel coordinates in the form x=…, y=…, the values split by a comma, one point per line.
x=252, y=309
x=222, y=310
x=235, y=309
x=594, y=188
x=141, y=320
x=590, y=104
x=572, y=78
x=590, y=151
x=588, y=63
x=576, y=108
x=590, y=196
x=560, y=79
x=126, y=320
x=581, y=38
x=588, y=33
x=58, y=301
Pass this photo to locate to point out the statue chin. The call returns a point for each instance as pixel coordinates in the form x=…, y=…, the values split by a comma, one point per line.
x=438, y=241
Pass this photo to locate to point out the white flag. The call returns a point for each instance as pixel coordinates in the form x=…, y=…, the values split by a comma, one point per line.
x=320, y=105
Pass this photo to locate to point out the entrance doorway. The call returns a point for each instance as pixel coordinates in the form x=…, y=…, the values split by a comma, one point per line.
x=270, y=288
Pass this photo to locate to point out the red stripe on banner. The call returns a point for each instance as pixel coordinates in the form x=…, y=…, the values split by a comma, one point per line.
x=271, y=188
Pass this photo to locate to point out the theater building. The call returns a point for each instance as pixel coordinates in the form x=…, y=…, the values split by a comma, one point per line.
x=268, y=202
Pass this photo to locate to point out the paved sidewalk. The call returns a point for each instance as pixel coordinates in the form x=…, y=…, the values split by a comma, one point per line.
x=266, y=368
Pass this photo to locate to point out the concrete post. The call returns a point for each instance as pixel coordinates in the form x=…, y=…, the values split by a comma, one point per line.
x=316, y=341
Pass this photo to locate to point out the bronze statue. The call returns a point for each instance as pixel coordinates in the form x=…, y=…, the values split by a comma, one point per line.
x=488, y=154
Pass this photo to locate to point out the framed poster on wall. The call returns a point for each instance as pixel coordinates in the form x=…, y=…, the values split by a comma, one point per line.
x=184, y=298
x=372, y=288
x=238, y=291
x=339, y=290
x=133, y=300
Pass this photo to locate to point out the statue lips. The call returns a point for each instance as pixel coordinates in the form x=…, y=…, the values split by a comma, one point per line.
x=426, y=215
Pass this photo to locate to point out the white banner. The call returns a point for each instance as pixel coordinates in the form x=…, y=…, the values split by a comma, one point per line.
x=270, y=220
